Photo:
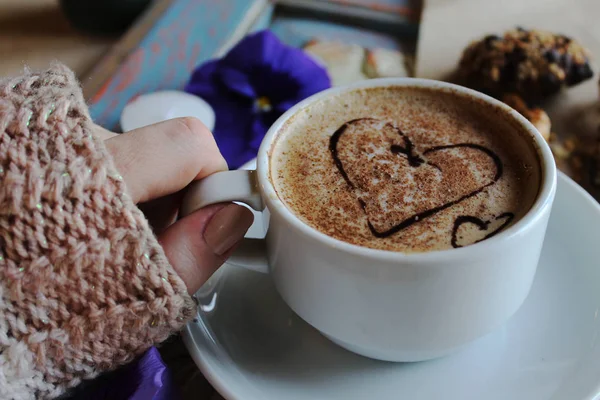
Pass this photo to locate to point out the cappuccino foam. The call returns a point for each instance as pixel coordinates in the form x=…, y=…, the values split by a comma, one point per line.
x=404, y=169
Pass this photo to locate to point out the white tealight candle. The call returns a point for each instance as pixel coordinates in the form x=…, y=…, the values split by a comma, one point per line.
x=156, y=107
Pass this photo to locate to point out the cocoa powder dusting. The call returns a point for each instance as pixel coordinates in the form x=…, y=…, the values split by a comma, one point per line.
x=396, y=168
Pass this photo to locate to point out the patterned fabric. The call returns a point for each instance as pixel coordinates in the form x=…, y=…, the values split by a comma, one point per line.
x=84, y=284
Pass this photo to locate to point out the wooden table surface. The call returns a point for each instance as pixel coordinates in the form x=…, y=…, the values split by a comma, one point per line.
x=35, y=32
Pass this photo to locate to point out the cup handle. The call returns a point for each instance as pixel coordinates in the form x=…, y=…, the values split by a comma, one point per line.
x=227, y=186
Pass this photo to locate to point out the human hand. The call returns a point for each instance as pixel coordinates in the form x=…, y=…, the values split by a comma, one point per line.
x=157, y=162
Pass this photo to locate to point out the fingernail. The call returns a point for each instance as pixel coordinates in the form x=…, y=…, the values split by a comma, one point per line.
x=227, y=227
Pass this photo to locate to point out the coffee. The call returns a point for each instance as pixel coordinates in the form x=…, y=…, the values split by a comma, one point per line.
x=405, y=169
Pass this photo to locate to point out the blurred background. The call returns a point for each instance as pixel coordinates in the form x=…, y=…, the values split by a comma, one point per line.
x=35, y=32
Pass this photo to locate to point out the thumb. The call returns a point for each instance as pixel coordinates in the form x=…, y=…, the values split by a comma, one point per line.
x=200, y=243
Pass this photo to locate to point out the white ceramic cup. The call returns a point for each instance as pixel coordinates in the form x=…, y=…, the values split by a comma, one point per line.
x=382, y=304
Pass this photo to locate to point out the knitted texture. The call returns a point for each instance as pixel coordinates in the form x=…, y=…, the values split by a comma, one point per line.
x=84, y=284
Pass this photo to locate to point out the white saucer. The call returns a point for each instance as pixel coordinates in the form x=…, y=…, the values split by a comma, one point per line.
x=251, y=346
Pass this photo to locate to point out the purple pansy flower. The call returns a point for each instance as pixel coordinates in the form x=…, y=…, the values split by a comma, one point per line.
x=257, y=81
x=147, y=378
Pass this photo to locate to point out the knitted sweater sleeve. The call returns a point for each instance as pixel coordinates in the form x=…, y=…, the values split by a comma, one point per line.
x=84, y=284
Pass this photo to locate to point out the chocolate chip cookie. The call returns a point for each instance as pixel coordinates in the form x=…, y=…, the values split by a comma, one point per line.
x=531, y=63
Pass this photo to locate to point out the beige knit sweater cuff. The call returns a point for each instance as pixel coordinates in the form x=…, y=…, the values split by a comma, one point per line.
x=84, y=284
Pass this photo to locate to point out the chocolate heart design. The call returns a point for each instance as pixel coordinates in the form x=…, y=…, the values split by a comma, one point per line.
x=397, y=183
x=502, y=221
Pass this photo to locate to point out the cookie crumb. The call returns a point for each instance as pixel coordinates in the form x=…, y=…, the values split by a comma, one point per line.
x=538, y=117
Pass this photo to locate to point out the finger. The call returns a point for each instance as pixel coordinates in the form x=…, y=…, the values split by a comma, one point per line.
x=102, y=133
x=199, y=244
x=163, y=158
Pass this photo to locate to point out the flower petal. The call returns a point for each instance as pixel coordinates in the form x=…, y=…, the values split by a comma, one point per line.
x=260, y=126
x=146, y=378
x=232, y=128
x=276, y=70
x=233, y=112
x=204, y=72
x=152, y=379
x=258, y=49
x=236, y=81
x=289, y=74
x=308, y=76
x=204, y=81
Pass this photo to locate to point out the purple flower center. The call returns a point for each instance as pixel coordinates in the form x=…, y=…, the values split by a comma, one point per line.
x=262, y=105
